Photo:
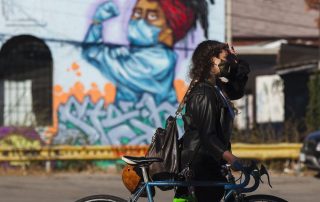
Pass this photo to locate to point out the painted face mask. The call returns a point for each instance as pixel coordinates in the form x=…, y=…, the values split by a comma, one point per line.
x=140, y=33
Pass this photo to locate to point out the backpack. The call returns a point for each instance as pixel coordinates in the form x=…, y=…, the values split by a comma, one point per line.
x=165, y=145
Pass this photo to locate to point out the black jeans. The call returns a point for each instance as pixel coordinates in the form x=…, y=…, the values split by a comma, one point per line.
x=205, y=168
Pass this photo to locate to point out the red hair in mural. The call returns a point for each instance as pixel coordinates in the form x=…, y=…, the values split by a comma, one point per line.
x=181, y=15
x=180, y=18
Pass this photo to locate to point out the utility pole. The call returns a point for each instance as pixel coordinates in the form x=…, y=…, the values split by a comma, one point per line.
x=228, y=9
x=318, y=5
x=315, y=5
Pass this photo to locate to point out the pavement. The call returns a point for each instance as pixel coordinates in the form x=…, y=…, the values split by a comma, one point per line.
x=68, y=187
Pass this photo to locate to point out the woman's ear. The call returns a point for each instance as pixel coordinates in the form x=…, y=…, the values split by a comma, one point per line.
x=166, y=36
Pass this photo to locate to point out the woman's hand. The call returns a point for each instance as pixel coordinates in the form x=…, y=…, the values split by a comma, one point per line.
x=235, y=162
x=229, y=157
x=232, y=50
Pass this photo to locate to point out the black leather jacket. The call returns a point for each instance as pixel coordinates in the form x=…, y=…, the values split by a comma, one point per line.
x=208, y=118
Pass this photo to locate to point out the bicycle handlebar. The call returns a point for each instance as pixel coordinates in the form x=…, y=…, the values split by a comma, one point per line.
x=254, y=171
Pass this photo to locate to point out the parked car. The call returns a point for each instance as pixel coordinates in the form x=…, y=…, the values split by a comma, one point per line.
x=310, y=152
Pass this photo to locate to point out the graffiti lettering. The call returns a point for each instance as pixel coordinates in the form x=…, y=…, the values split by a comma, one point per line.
x=89, y=123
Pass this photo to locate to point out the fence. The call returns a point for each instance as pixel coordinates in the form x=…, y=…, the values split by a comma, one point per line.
x=250, y=151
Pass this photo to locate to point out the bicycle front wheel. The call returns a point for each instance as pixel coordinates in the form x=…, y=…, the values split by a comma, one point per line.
x=101, y=198
x=262, y=197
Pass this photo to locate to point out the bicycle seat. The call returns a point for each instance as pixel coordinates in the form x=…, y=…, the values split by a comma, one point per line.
x=133, y=160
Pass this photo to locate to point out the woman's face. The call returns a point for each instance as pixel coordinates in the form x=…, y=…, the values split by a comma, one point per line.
x=217, y=60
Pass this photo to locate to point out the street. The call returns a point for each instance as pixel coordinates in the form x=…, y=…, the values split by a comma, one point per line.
x=70, y=187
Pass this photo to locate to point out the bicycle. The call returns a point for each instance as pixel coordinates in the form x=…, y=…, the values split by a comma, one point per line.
x=233, y=191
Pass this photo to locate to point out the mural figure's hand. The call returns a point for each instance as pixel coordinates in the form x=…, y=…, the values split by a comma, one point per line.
x=105, y=11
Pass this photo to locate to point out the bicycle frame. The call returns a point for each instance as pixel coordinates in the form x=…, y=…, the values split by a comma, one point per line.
x=233, y=191
x=231, y=188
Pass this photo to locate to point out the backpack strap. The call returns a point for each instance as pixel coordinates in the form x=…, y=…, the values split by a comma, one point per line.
x=183, y=102
x=225, y=101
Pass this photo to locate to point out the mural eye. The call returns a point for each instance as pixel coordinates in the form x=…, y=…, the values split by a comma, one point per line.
x=152, y=16
x=137, y=14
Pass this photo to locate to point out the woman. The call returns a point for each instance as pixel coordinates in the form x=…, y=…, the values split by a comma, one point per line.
x=209, y=115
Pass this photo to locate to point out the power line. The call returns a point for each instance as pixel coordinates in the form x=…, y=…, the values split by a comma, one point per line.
x=79, y=44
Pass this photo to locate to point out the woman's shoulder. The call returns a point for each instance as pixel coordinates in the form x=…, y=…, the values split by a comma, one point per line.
x=202, y=86
x=203, y=89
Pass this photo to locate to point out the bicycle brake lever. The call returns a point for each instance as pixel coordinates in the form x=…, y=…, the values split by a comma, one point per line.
x=255, y=171
x=264, y=171
x=260, y=178
x=253, y=166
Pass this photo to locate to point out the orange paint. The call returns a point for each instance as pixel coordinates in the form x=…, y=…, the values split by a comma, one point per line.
x=57, y=89
x=94, y=85
x=51, y=131
x=78, y=91
x=94, y=93
x=59, y=97
x=181, y=88
x=75, y=66
x=109, y=93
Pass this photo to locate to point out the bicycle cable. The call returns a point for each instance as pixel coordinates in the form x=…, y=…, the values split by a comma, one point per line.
x=240, y=178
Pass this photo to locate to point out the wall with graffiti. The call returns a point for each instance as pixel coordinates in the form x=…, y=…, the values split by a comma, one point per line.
x=119, y=66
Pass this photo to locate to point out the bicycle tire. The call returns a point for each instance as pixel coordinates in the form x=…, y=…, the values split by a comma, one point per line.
x=263, y=197
x=101, y=198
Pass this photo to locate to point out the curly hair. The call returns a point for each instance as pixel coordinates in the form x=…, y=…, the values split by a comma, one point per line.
x=202, y=59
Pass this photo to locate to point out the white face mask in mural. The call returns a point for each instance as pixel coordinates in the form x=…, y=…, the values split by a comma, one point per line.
x=141, y=33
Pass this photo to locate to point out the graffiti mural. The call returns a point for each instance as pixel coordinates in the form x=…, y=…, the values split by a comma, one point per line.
x=86, y=120
x=126, y=124
x=19, y=137
x=119, y=66
x=147, y=71
x=148, y=64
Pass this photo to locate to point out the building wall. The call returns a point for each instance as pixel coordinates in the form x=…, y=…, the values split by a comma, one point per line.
x=91, y=76
x=274, y=19
x=270, y=99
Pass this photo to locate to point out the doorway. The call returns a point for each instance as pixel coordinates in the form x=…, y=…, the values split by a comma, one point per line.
x=26, y=71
